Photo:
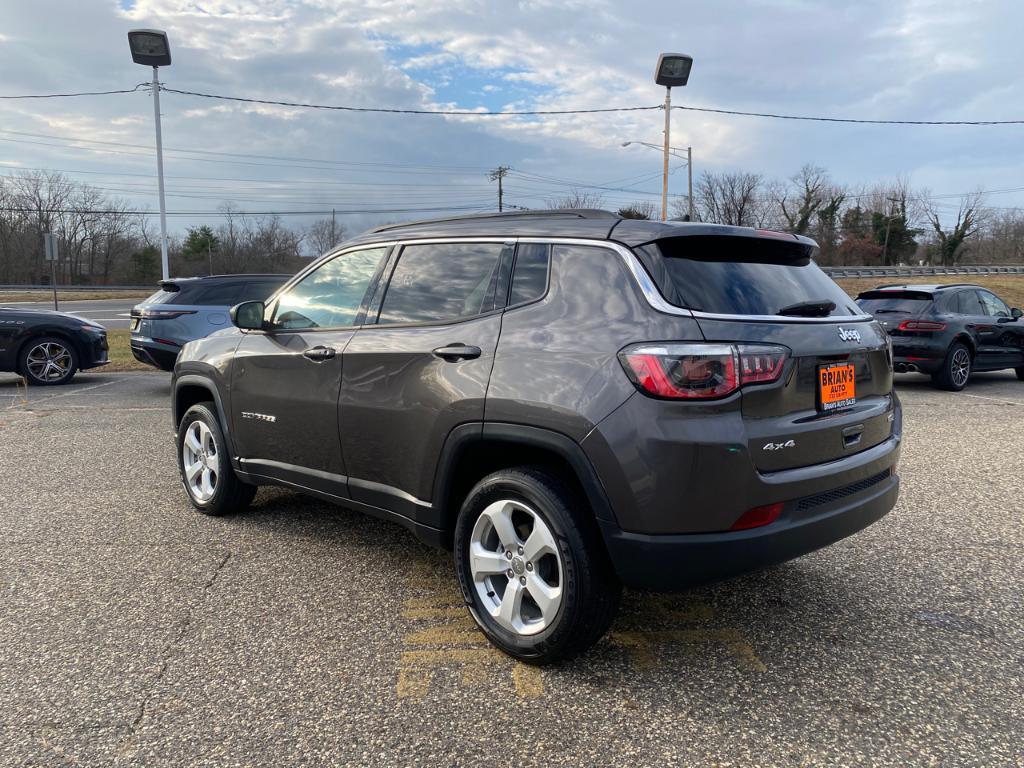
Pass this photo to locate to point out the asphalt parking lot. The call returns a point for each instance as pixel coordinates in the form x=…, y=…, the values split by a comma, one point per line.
x=136, y=632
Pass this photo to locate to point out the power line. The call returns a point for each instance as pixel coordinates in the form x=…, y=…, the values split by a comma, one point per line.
x=847, y=119
x=395, y=111
x=129, y=212
x=71, y=95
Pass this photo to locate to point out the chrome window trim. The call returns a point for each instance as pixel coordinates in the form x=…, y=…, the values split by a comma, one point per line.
x=643, y=280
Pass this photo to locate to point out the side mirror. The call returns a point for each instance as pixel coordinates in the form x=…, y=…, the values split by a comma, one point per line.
x=248, y=315
x=1017, y=314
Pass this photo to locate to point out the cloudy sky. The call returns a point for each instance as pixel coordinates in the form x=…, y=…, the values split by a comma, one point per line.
x=877, y=59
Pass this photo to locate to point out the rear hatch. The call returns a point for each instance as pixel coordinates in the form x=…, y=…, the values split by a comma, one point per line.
x=891, y=306
x=833, y=397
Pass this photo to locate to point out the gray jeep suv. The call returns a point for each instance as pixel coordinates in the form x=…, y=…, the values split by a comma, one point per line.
x=569, y=400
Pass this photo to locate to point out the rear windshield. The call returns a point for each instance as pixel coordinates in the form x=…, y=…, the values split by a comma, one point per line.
x=741, y=276
x=213, y=293
x=898, y=302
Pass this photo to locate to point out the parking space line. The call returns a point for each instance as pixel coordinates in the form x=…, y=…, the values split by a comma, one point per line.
x=993, y=399
x=444, y=641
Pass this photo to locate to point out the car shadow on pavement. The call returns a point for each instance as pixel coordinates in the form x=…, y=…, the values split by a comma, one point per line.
x=714, y=633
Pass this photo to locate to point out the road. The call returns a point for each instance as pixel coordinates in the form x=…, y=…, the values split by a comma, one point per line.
x=135, y=632
x=110, y=313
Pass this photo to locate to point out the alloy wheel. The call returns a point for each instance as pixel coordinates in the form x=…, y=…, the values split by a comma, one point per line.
x=960, y=367
x=49, y=361
x=200, y=461
x=516, y=567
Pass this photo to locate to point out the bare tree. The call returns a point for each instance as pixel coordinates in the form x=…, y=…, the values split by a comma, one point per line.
x=803, y=197
x=576, y=198
x=643, y=209
x=324, y=234
x=952, y=244
x=731, y=198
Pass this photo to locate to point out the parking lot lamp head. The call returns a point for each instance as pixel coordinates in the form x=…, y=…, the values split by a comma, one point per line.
x=673, y=70
x=150, y=48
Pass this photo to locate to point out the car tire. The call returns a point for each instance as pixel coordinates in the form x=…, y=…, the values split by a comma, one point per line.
x=48, y=361
x=568, y=570
x=955, y=370
x=204, y=464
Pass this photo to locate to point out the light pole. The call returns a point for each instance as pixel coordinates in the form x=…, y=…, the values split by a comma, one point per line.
x=689, y=170
x=150, y=48
x=673, y=70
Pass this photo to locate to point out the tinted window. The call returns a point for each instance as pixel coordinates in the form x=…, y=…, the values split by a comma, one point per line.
x=889, y=302
x=200, y=293
x=530, y=277
x=734, y=276
x=968, y=303
x=994, y=306
x=259, y=290
x=330, y=296
x=437, y=283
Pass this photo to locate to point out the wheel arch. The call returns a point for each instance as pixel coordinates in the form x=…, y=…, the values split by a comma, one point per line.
x=965, y=338
x=473, y=451
x=189, y=390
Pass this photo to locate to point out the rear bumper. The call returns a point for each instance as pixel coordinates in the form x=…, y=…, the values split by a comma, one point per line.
x=917, y=363
x=154, y=353
x=674, y=562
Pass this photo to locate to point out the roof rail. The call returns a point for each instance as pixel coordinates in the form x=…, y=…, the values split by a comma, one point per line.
x=574, y=213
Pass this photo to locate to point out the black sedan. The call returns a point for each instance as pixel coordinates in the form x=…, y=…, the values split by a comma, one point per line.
x=48, y=347
x=948, y=331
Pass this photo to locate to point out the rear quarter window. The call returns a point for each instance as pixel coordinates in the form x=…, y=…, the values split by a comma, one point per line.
x=740, y=276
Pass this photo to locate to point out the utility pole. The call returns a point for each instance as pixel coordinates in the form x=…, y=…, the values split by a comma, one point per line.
x=888, y=224
x=209, y=253
x=497, y=175
x=664, y=172
x=689, y=181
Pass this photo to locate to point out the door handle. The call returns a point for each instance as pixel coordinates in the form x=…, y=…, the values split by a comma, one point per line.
x=319, y=353
x=455, y=352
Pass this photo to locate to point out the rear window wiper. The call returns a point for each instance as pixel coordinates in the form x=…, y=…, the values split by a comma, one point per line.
x=819, y=308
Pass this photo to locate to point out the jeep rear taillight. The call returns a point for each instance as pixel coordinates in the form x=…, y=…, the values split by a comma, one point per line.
x=700, y=371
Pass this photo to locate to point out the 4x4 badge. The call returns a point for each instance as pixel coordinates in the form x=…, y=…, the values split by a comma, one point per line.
x=849, y=334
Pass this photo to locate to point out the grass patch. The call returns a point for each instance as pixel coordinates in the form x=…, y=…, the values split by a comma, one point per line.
x=71, y=295
x=121, y=358
x=1010, y=288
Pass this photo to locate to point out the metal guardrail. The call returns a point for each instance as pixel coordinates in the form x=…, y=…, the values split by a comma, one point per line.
x=89, y=288
x=970, y=269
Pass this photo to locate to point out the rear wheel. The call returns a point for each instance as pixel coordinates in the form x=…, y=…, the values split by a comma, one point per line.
x=956, y=369
x=532, y=567
x=205, y=467
x=48, y=361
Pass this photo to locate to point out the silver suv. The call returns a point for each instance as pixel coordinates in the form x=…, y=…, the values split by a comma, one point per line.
x=191, y=308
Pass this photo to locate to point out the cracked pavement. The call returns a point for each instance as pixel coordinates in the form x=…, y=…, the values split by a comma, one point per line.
x=135, y=632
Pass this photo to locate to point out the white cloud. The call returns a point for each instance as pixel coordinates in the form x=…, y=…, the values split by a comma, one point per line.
x=880, y=59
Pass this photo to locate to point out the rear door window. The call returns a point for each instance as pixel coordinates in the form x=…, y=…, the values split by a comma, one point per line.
x=441, y=282
x=259, y=290
x=740, y=276
x=968, y=303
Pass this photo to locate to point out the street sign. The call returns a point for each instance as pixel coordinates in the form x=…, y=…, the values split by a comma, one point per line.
x=50, y=240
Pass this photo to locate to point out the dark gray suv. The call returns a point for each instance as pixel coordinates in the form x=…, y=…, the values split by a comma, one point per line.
x=569, y=400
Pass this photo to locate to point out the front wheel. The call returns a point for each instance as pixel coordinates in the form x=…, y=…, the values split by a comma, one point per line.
x=532, y=568
x=956, y=369
x=205, y=466
x=48, y=361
